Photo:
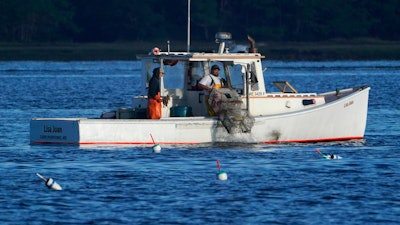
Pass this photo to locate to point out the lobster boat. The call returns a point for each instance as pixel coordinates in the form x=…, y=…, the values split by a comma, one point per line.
x=244, y=111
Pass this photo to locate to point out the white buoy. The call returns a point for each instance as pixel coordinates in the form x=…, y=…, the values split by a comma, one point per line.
x=328, y=156
x=50, y=183
x=156, y=148
x=221, y=175
x=333, y=157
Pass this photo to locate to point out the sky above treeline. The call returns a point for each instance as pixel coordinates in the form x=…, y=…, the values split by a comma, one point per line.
x=152, y=20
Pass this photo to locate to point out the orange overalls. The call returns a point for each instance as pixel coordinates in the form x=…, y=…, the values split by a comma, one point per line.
x=154, y=107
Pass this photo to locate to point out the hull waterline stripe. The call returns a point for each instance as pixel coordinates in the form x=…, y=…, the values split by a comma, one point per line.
x=53, y=143
x=193, y=143
x=314, y=140
x=135, y=143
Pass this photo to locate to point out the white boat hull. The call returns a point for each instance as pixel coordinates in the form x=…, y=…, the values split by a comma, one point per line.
x=342, y=119
x=247, y=113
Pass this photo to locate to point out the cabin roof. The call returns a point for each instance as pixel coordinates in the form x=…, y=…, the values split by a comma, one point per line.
x=203, y=56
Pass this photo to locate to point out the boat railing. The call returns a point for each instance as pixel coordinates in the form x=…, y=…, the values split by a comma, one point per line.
x=285, y=86
x=279, y=94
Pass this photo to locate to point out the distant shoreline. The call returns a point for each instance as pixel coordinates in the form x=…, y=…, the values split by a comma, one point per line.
x=289, y=51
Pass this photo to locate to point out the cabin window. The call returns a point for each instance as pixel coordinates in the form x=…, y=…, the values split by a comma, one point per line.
x=195, y=73
x=237, y=73
x=253, y=78
x=173, y=76
x=147, y=72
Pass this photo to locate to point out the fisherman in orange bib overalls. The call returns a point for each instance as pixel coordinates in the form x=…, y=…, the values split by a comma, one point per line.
x=154, y=95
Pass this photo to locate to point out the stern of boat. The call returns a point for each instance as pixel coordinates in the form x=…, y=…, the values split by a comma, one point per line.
x=54, y=131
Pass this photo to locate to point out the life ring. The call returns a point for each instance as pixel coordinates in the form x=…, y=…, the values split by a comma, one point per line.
x=171, y=62
x=155, y=51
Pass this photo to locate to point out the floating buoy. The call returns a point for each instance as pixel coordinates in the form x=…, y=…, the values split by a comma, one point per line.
x=156, y=147
x=328, y=156
x=50, y=183
x=221, y=175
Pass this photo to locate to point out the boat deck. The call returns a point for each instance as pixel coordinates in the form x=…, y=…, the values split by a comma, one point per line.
x=333, y=96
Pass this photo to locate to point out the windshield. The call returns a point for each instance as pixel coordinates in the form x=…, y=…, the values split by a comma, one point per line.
x=185, y=74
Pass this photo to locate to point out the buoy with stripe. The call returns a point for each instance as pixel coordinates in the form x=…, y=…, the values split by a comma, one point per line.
x=221, y=175
x=328, y=156
x=50, y=183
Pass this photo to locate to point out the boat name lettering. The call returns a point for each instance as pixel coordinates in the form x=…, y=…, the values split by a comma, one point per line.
x=348, y=104
x=49, y=129
x=51, y=137
x=257, y=93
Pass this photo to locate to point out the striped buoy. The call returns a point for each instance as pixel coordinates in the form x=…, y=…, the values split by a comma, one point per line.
x=328, y=156
x=156, y=148
x=50, y=183
x=221, y=175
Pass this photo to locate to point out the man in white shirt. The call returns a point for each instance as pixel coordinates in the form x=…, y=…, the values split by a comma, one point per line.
x=208, y=83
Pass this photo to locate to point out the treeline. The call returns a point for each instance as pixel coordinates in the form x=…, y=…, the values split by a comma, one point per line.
x=151, y=20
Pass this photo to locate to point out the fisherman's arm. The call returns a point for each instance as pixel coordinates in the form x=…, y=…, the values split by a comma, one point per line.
x=204, y=87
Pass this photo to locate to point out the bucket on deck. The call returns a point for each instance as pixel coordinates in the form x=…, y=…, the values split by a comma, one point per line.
x=181, y=111
x=125, y=113
x=141, y=113
x=109, y=115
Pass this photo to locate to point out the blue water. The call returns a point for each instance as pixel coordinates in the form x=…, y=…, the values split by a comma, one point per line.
x=267, y=184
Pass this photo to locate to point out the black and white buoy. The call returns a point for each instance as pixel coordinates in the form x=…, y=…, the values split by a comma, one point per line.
x=328, y=156
x=50, y=183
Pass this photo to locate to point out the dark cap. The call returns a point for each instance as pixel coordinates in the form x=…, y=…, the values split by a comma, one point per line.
x=215, y=67
x=156, y=70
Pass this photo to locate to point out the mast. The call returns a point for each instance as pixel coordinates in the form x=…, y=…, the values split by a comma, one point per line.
x=188, y=28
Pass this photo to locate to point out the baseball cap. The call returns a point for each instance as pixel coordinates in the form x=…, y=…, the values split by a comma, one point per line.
x=215, y=67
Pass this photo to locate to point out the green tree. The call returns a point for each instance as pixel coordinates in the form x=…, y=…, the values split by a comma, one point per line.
x=106, y=20
x=204, y=14
x=155, y=20
x=35, y=20
x=385, y=19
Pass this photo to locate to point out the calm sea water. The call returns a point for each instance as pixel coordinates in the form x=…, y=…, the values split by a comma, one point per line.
x=267, y=184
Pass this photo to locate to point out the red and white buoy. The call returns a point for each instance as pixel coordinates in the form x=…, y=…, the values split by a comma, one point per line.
x=50, y=183
x=156, y=147
x=221, y=175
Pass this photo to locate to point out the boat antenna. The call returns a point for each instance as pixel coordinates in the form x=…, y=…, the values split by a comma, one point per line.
x=188, y=28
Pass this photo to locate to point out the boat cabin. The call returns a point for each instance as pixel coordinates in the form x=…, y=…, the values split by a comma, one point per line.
x=244, y=82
